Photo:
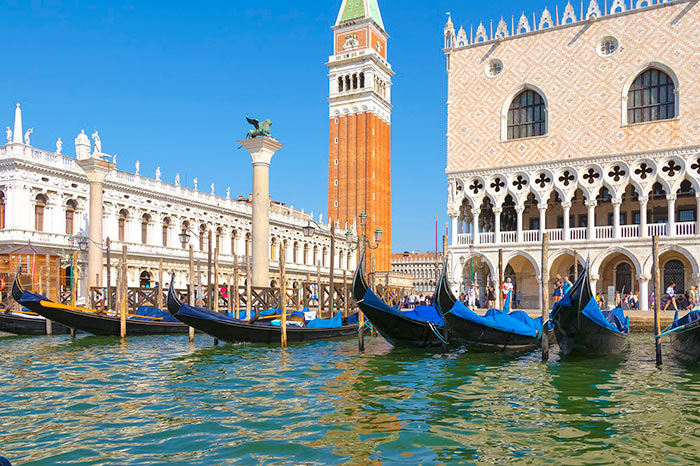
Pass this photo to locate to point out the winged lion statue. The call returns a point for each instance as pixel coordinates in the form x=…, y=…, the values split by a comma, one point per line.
x=260, y=128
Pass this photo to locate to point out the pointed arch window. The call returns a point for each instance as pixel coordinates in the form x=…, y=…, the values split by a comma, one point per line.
x=39, y=210
x=527, y=116
x=651, y=97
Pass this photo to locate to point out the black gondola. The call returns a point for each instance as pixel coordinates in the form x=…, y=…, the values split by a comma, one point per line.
x=421, y=328
x=582, y=328
x=28, y=323
x=497, y=331
x=92, y=321
x=227, y=328
x=684, y=334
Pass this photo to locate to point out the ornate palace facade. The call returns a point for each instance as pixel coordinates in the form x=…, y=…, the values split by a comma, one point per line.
x=359, y=178
x=44, y=200
x=584, y=124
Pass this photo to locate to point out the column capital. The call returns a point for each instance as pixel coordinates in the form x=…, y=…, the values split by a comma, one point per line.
x=595, y=278
x=476, y=212
x=616, y=201
x=497, y=210
x=261, y=149
x=697, y=196
x=671, y=197
x=520, y=209
x=542, y=207
x=566, y=205
x=591, y=203
x=95, y=168
x=643, y=199
x=644, y=277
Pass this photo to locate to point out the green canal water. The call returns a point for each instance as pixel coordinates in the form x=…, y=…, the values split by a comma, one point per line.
x=159, y=400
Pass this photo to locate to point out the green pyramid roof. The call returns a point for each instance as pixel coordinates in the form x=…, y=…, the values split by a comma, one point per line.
x=360, y=9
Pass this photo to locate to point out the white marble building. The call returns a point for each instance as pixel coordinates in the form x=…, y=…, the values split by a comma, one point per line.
x=44, y=200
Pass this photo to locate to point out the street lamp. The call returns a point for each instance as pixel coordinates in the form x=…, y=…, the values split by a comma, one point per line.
x=308, y=230
x=83, y=243
x=184, y=237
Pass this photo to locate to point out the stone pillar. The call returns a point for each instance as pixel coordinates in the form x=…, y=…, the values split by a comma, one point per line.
x=591, y=218
x=497, y=217
x=96, y=170
x=643, y=228
x=697, y=215
x=475, y=226
x=594, y=284
x=261, y=150
x=454, y=218
x=519, y=209
x=543, y=219
x=566, y=206
x=616, y=217
x=644, y=292
x=671, y=225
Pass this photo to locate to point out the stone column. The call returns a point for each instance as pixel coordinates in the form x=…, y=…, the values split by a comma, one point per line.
x=475, y=226
x=671, y=225
x=454, y=218
x=594, y=284
x=644, y=292
x=643, y=228
x=261, y=150
x=566, y=206
x=591, y=218
x=543, y=219
x=616, y=217
x=697, y=215
x=519, y=209
x=96, y=170
x=497, y=211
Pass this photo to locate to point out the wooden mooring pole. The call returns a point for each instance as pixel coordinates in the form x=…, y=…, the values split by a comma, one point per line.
x=190, y=285
x=545, y=297
x=283, y=293
x=47, y=279
x=213, y=288
x=657, y=299
x=110, y=301
x=125, y=292
x=501, y=280
x=159, y=289
x=248, y=285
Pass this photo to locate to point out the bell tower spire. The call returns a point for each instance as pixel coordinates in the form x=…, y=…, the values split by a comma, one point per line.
x=360, y=123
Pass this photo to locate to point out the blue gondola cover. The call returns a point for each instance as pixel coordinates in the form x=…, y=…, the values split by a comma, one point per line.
x=148, y=311
x=335, y=322
x=615, y=320
x=692, y=316
x=497, y=320
x=421, y=314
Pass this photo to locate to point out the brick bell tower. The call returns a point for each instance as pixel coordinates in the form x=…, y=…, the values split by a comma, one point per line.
x=360, y=123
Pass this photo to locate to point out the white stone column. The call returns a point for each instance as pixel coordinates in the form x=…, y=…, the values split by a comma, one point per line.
x=616, y=202
x=671, y=225
x=643, y=228
x=475, y=226
x=460, y=224
x=566, y=206
x=543, y=219
x=594, y=284
x=591, y=218
x=454, y=219
x=96, y=170
x=497, y=211
x=644, y=292
x=697, y=215
x=519, y=209
x=261, y=150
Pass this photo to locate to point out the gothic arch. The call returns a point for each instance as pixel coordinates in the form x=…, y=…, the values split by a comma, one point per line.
x=525, y=255
x=649, y=262
x=509, y=100
x=630, y=79
x=600, y=258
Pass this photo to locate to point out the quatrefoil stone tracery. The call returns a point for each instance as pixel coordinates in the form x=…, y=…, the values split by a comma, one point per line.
x=567, y=178
x=696, y=166
x=591, y=176
x=644, y=171
x=542, y=180
x=617, y=173
x=672, y=168
x=497, y=185
x=476, y=186
x=519, y=182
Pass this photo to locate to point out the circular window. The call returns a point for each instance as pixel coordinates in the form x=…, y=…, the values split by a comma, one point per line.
x=607, y=46
x=493, y=68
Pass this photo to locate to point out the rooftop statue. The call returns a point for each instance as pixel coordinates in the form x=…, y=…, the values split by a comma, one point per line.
x=261, y=129
x=98, y=143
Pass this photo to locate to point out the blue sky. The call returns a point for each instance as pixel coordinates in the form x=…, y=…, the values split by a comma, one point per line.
x=169, y=84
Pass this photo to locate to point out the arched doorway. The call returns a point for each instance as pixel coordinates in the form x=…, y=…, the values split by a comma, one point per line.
x=623, y=278
x=674, y=272
x=523, y=275
x=475, y=270
x=145, y=279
